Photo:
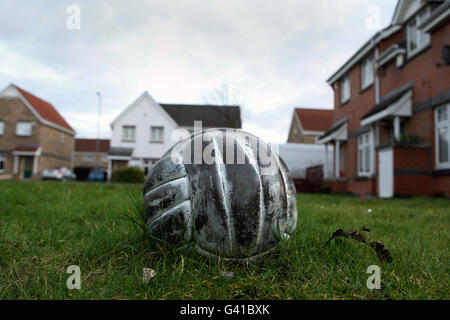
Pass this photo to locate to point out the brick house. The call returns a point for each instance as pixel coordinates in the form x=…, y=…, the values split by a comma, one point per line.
x=33, y=135
x=86, y=157
x=307, y=125
x=391, y=120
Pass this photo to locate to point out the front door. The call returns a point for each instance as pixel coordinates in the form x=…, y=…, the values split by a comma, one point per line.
x=27, y=167
x=386, y=173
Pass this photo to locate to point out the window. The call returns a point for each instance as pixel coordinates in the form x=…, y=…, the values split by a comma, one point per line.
x=63, y=138
x=442, y=117
x=2, y=127
x=365, y=152
x=417, y=39
x=135, y=162
x=104, y=158
x=366, y=73
x=2, y=161
x=128, y=133
x=89, y=157
x=157, y=134
x=345, y=89
x=24, y=128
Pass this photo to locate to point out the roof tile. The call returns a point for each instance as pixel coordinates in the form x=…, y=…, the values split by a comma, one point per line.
x=315, y=119
x=45, y=109
x=90, y=145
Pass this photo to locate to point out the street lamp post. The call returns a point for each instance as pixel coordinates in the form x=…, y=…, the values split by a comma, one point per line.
x=97, y=149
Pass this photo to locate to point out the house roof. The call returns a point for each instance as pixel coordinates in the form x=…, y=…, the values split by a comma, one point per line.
x=90, y=145
x=211, y=116
x=389, y=99
x=45, y=109
x=314, y=119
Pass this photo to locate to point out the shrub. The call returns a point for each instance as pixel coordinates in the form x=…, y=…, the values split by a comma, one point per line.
x=128, y=175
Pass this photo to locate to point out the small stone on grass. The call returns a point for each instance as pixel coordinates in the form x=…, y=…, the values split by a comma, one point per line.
x=228, y=275
x=147, y=274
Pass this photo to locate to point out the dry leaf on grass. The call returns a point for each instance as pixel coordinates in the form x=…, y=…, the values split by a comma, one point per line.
x=384, y=254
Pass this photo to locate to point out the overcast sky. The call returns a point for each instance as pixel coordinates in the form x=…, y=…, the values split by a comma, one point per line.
x=278, y=54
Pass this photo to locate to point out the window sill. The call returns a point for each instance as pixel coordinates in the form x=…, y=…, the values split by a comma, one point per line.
x=128, y=140
x=156, y=141
x=364, y=176
x=411, y=55
x=23, y=135
x=444, y=166
x=345, y=102
x=366, y=88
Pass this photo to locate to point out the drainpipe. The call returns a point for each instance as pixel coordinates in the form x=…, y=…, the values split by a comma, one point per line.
x=397, y=128
x=336, y=159
x=377, y=94
x=377, y=79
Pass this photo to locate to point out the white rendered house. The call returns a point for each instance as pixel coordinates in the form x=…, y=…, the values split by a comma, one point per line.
x=144, y=131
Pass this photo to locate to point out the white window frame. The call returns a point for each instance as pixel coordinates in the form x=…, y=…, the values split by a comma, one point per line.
x=23, y=122
x=153, y=137
x=2, y=160
x=129, y=133
x=413, y=32
x=135, y=163
x=2, y=127
x=365, y=143
x=345, y=88
x=367, y=73
x=439, y=125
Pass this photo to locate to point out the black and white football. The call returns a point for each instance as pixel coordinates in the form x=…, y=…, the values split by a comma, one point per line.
x=226, y=191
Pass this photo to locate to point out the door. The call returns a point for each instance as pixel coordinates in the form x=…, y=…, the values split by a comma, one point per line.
x=386, y=173
x=27, y=168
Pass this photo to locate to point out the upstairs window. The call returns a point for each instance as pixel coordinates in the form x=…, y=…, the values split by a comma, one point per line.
x=345, y=89
x=442, y=145
x=24, y=128
x=417, y=39
x=128, y=133
x=366, y=73
x=2, y=127
x=157, y=134
x=365, y=152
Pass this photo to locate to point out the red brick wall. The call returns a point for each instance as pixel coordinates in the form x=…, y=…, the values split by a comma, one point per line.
x=393, y=39
x=441, y=185
x=429, y=80
x=416, y=161
x=359, y=104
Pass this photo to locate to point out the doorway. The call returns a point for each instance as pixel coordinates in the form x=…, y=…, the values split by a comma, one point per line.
x=27, y=168
x=386, y=173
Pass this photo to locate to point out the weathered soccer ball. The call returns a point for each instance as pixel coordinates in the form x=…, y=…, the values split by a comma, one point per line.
x=224, y=190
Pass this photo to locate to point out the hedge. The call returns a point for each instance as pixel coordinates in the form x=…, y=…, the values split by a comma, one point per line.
x=128, y=175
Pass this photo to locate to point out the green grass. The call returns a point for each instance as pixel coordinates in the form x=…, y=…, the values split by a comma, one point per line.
x=47, y=226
